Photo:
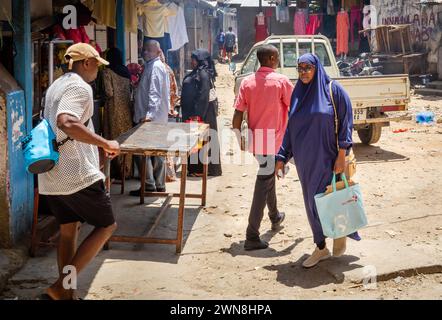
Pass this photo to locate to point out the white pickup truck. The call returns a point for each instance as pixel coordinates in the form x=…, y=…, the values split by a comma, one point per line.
x=372, y=96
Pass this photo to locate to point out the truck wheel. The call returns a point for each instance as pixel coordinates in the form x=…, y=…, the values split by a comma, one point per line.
x=370, y=135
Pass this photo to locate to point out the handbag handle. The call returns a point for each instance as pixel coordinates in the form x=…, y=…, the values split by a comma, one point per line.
x=335, y=113
x=343, y=177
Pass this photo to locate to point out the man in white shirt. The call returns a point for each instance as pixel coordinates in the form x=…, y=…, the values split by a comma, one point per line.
x=152, y=103
x=74, y=189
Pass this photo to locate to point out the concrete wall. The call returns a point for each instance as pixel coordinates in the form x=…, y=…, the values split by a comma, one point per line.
x=246, y=27
x=201, y=29
x=426, y=24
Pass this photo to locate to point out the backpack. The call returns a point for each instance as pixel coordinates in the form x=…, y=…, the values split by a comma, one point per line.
x=40, y=148
x=230, y=40
x=221, y=37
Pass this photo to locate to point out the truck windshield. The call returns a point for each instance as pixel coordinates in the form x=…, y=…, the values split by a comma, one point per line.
x=291, y=58
x=252, y=64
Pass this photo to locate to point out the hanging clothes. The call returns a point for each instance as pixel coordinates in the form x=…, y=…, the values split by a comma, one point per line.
x=330, y=8
x=178, y=29
x=351, y=3
x=261, y=32
x=355, y=20
x=155, y=17
x=89, y=3
x=105, y=11
x=77, y=35
x=313, y=24
x=342, y=27
x=282, y=14
x=299, y=22
x=131, y=16
x=329, y=26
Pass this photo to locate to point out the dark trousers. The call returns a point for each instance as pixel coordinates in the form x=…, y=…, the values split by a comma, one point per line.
x=264, y=194
x=155, y=171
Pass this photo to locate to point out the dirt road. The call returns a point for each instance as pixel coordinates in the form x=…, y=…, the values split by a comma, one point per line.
x=401, y=180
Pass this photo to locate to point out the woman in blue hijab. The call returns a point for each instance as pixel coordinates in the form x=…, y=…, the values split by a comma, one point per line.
x=311, y=140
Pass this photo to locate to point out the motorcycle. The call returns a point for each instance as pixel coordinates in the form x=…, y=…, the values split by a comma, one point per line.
x=363, y=65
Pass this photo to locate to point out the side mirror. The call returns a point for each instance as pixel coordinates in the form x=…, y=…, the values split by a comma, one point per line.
x=237, y=73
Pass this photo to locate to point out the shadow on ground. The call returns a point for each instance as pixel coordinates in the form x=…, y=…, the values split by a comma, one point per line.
x=293, y=274
x=371, y=154
x=237, y=249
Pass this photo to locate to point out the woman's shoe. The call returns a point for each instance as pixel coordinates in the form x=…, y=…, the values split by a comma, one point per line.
x=339, y=246
x=317, y=255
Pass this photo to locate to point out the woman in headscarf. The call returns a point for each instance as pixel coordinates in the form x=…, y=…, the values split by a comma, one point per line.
x=311, y=140
x=196, y=105
x=117, y=113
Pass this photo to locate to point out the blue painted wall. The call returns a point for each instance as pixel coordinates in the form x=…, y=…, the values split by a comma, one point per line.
x=19, y=191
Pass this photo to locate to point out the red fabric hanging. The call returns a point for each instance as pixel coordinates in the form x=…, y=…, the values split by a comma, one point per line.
x=77, y=35
x=299, y=23
x=342, y=28
x=260, y=28
x=313, y=24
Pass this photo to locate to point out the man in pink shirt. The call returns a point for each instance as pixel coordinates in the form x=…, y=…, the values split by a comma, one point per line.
x=265, y=96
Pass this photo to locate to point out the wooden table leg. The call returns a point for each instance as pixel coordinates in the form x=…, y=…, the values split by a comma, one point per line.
x=123, y=173
x=205, y=172
x=142, y=179
x=180, y=225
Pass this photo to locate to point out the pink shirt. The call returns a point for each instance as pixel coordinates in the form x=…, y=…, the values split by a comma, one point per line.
x=265, y=96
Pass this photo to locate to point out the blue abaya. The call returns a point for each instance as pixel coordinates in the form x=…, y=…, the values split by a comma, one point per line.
x=310, y=137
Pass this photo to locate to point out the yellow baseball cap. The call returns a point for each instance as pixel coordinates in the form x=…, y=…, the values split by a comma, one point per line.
x=82, y=51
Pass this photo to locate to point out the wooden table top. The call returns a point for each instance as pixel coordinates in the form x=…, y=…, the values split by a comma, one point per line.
x=161, y=139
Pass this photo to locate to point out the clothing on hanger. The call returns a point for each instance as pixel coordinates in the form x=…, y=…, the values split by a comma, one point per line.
x=131, y=17
x=261, y=32
x=348, y=4
x=77, y=35
x=313, y=25
x=342, y=27
x=155, y=17
x=178, y=29
x=355, y=20
x=299, y=23
x=260, y=19
x=370, y=19
x=105, y=12
x=282, y=14
x=330, y=8
x=89, y=3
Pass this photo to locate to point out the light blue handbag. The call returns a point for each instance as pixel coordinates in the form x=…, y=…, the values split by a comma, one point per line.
x=341, y=212
x=40, y=149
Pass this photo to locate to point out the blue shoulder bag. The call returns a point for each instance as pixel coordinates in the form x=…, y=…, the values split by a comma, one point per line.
x=41, y=149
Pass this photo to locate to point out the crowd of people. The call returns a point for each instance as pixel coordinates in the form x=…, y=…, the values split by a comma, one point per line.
x=286, y=123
